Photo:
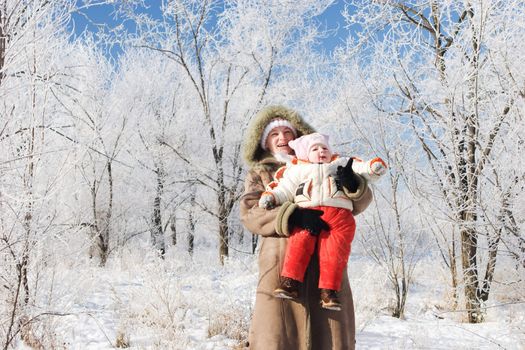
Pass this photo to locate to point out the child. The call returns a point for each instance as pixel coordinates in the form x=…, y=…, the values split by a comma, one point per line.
x=310, y=181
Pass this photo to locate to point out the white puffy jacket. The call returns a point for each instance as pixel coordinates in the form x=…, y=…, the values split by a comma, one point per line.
x=313, y=184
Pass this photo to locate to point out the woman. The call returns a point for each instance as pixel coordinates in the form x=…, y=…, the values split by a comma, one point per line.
x=279, y=324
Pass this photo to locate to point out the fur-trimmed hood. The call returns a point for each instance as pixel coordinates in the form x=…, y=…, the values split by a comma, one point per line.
x=253, y=153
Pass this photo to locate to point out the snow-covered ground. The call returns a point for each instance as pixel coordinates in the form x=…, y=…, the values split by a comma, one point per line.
x=143, y=302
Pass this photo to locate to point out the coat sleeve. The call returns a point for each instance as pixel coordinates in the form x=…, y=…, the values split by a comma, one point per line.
x=260, y=221
x=363, y=202
x=361, y=167
x=361, y=198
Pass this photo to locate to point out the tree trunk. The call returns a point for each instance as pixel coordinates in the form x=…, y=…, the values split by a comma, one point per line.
x=100, y=230
x=401, y=297
x=28, y=217
x=3, y=40
x=483, y=291
x=173, y=228
x=454, y=273
x=107, y=227
x=508, y=221
x=102, y=236
x=191, y=223
x=255, y=240
x=470, y=274
x=223, y=228
x=10, y=334
x=157, y=231
x=157, y=234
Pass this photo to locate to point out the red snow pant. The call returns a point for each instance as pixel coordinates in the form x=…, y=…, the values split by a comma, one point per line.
x=333, y=248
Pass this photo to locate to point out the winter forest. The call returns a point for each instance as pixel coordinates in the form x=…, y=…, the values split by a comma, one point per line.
x=121, y=166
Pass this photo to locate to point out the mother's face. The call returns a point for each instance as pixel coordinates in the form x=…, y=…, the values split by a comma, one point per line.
x=278, y=138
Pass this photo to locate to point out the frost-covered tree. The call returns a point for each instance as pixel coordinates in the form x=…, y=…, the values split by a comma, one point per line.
x=154, y=112
x=99, y=132
x=389, y=231
x=39, y=66
x=449, y=74
x=227, y=54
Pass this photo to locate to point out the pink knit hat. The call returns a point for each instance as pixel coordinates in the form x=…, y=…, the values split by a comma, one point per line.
x=302, y=145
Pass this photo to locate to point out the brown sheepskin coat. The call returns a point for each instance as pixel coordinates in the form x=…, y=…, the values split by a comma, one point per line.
x=279, y=324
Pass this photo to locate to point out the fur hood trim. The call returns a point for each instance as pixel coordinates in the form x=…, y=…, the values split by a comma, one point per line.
x=252, y=150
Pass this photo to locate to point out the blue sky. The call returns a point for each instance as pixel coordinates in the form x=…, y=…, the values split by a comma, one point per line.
x=330, y=20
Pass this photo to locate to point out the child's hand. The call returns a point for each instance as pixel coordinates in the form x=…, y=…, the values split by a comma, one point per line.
x=347, y=176
x=267, y=201
x=378, y=167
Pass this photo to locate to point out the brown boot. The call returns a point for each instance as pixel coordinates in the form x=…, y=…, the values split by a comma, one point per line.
x=330, y=300
x=288, y=289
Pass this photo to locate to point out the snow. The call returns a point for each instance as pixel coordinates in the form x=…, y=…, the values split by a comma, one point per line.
x=423, y=333
x=185, y=302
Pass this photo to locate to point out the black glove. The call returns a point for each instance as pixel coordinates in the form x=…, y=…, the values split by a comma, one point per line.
x=346, y=177
x=308, y=219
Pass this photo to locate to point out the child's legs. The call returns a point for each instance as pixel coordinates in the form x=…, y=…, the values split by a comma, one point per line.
x=334, y=246
x=300, y=247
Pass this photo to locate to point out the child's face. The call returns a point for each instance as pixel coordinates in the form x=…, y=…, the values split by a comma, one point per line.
x=319, y=153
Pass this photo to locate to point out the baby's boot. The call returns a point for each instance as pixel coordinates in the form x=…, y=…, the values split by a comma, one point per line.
x=288, y=289
x=330, y=300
